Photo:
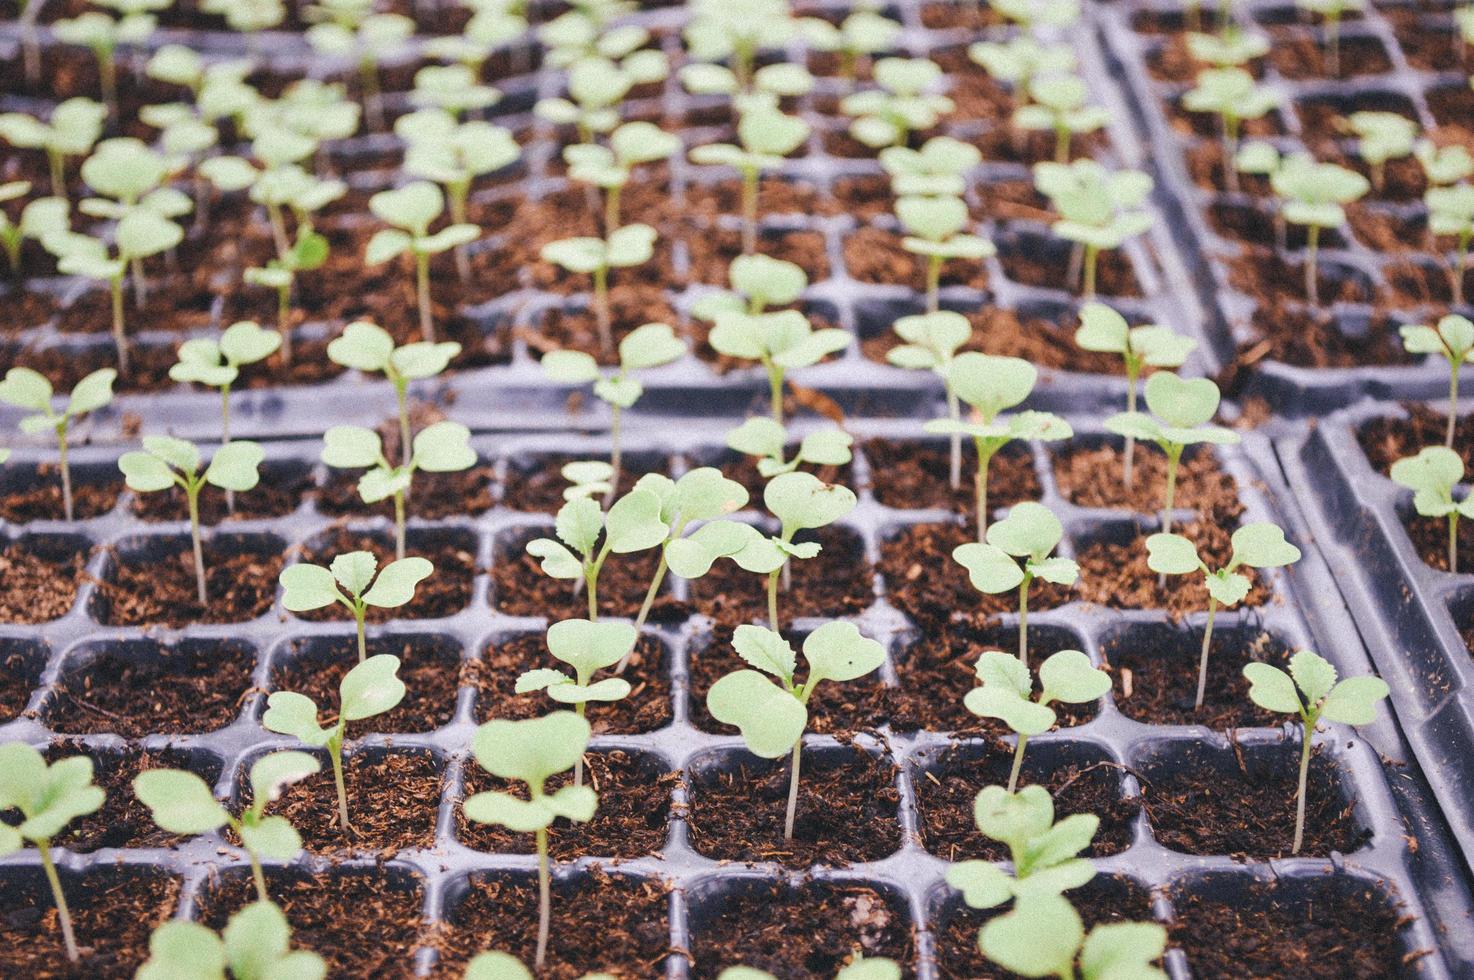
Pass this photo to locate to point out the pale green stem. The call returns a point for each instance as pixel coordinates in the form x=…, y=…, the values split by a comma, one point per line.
x=401, y=390
x=616, y=454
x=749, y=210
x=793, y=789
x=1128, y=475
x=579, y=709
x=335, y=752
x=456, y=197
x=55, y=162
x=1306, y=729
x=358, y=616
x=985, y=460
x=611, y=210
x=63, y=914
x=422, y=297
x=1203, y=658
x=1461, y=266
x=192, y=493
x=140, y=284
x=1174, y=456
x=283, y=321
x=954, y=474
x=278, y=230
x=1092, y=254
x=773, y=623
x=1023, y=619
x=1018, y=762
x=1230, y=151
x=1453, y=542
x=107, y=74
x=66, y=469
x=591, y=582
x=544, y=898
x=775, y=391
x=1312, y=287
x=1061, y=144
x=602, y=316
x=399, y=526
x=933, y=282
x=373, y=103
x=258, y=874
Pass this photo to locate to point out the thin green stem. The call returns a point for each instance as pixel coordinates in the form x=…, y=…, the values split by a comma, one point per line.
x=258, y=874
x=1061, y=144
x=1453, y=542
x=793, y=770
x=1174, y=456
x=1092, y=255
x=373, y=103
x=985, y=460
x=456, y=197
x=1461, y=265
x=1018, y=762
x=775, y=391
x=422, y=296
x=773, y=622
x=401, y=393
x=399, y=525
x=55, y=164
x=278, y=225
x=66, y=469
x=1128, y=470
x=1203, y=657
x=616, y=453
x=1023, y=619
x=933, y=282
x=579, y=709
x=107, y=75
x=544, y=898
x=63, y=914
x=611, y=210
x=335, y=752
x=1307, y=728
x=602, y=318
x=358, y=619
x=954, y=412
x=591, y=585
x=192, y=494
x=1312, y=286
x=749, y=210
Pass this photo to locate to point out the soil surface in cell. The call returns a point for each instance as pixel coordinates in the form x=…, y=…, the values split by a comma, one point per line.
x=123, y=820
x=160, y=589
x=1092, y=476
x=113, y=913
x=40, y=584
x=171, y=691
x=41, y=499
x=915, y=475
x=519, y=586
x=279, y=493
x=1116, y=575
x=444, y=593
x=1388, y=438
x=429, y=671
x=834, y=583
x=1156, y=677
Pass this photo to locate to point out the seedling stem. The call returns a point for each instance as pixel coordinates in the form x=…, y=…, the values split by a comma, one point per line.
x=63, y=915
x=1306, y=729
x=192, y=492
x=1203, y=657
x=544, y=897
x=601, y=309
x=793, y=790
x=749, y=210
x=1018, y=762
x=1311, y=285
x=422, y=296
x=66, y=471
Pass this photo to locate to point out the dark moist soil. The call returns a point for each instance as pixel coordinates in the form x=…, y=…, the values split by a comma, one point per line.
x=836, y=582
x=113, y=912
x=444, y=593
x=430, y=672
x=279, y=493
x=41, y=498
x=435, y=496
x=1116, y=575
x=1430, y=536
x=647, y=707
x=915, y=475
x=329, y=913
x=846, y=810
x=1388, y=438
x=39, y=586
x=1248, y=813
x=875, y=255
x=807, y=933
x=174, y=691
x=539, y=489
x=631, y=821
x=123, y=821
x=1091, y=476
x=519, y=586
x=1313, y=340
x=949, y=780
x=19, y=674
x=601, y=922
x=1352, y=932
x=154, y=589
x=1156, y=676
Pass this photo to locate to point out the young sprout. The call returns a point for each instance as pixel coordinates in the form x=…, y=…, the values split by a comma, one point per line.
x=533, y=751
x=371, y=688
x=181, y=803
x=649, y=346
x=1104, y=330
x=1180, y=410
x=1330, y=12
x=1314, y=196
x=411, y=209
x=1258, y=545
x=1029, y=532
x=586, y=31
x=256, y=945
x=1454, y=339
x=588, y=648
x=632, y=524
x=765, y=439
x=1311, y=691
x=781, y=342
x=902, y=105
x=1018, y=61
x=306, y=587
x=934, y=229
x=217, y=364
x=1443, y=165
x=758, y=283
x=130, y=177
x=1382, y=136
x=1098, y=209
x=586, y=478
x=453, y=89
x=1043, y=936
x=1432, y=474
x=595, y=87
x=131, y=22
x=990, y=384
x=71, y=130
x=764, y=137
x=858, y=968
x=1045, y=853
x=440, y=448
x=938, y=169
x=496, y=965
x=48, y=797
x=772, y=717
x=168, y=462
x=350, y=28
x=609, y=168
x=40, y=217
x=1451, y=214
x=1231, y=47
x=1234, y=96
x=1058, y=106
x=623, y=248
x=1029, y=14
x=862, y=34
x=27, y=389
x=734, y=31
x=931, y=344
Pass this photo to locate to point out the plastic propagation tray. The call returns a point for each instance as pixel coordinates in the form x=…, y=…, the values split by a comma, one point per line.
x=1386, y=797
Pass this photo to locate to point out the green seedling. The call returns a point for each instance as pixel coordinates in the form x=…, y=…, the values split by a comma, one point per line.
x=1232, y=47
x=650, y=346
x=40, y=217
x=1098, y=210
x=181, y=803
x=1016, y=553
x=70, y=131
x=440, y=448
x=588, y=648
x=411, y=209
x=902, y=105
x=496, y=965
x=1180, y=410
x=453, y=89
x=351, y=29
x=348, y=581
x=1453, y=338
x=1443, y=166
x=250, y=17
x=128, y=22
x=371, y=688
x=781, y=342
x=256, y=945
x=1045, y=853
x=1057, y=105
x=931, y=343
x=587, y=478
x=861, y=35
x=218, y=363
x=29, y=390
x=1258, y=545
x=1432, y=475
x=1043, y=936
x=1314, y=195
x=759, y=283
x=1104, y=330
x=490, y=27
x=767, y=441
x=734, y=32
x=587, y=536
x=934, y=229
x=596, y=85
x=989, y=385
x=1451, y=214
x=587, y=30
x=30, y=45
x=1311, y=691
x=609, y=168
x=1007, y=692
x=1029, y=14
x=938, y=169
x=1330, y=13
x=858, y=968
x=772, y=717
x=167, y=462
x=623, y=248
x=764, y=137
x=48, y=798
x=1381, y=137
x=533, y=751
x=1233, y=95
x=1020, y=60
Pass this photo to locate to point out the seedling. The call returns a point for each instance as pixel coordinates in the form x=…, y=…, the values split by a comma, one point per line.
x=931, y=344
x=1443, y=165
x=440, y=448
x=1432, y=474
x=1314, y=196
x=595, y=87
x=40, y=217
x=1098, y=209
x=632, y=524
x=586, y=31
x=168, y=462
x=1231, y=47
x=862, y=34
x=586, y=478
x=1382, y=136
x=73, y=127
x=609, y=168
x=130, y=178
x=489, y=28
x=256, y=945
x=1044, y=936
x=350, y=28
x=371, y=688
x=27, y=389
x=1234, y=96
x=533, y=751
x=306, y=587
x=990, y=384
x=1311, y=691
x=1258, y=545
x=48, y=797
x=453, y=89
x=938, y=169
x=767, y=440
x=781, y=342
x=1007, y=692
x=1029, y=532
x=1058, y=106
x=217, y=364
x=622, y=248
x=759, y=282
x=764, y=137
x=934, y=227
x=1045, y=853
x=1180, y=410
x=859, y=968
x=1018, y=61
x=1029, y=14
x=181, y=803
x=1454, y=339
x=1451, y=213
x=1330, y=12
x=649, y=346
x=411, y=209
x=902, y=105
x=504, y=966
x=588, y=648
x=772, y=717
x=249, y=18
x=1103, y=329
x=130, y=22
x=734, y=31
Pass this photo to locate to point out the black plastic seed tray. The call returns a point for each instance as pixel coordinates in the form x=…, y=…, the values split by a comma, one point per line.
x=1382, y=270
x=1386, y=797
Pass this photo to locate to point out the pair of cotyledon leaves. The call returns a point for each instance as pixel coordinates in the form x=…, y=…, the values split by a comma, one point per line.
x=532, y=750
x=1258, y=545
x=588, y=648
x=1007, y=689
x=1029, y=532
